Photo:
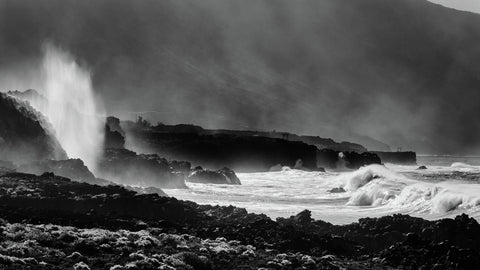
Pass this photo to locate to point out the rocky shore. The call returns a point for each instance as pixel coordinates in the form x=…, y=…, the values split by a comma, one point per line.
x=51, y=222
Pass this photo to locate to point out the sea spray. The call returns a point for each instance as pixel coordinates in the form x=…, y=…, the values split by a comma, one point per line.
x=71, y=106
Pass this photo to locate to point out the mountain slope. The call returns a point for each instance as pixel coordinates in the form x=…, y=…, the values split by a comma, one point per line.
x=405, y=72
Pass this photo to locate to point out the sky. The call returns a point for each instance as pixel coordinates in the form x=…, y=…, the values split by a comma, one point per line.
x=467, y=5
x=404, y=72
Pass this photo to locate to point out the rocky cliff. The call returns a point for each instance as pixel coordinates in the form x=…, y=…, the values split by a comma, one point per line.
x=24, y=134
x=240, y=153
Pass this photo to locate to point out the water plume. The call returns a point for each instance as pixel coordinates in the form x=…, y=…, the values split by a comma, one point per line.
x=71, y=106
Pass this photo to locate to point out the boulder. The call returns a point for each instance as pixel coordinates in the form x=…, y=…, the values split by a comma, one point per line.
x=222, y=176
x=345, y=160
x=129, y=168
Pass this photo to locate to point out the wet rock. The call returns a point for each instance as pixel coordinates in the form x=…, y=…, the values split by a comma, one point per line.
x=422, y=168
x=304, y=217
x=81, y=266
x=149, y=231
x=25, y=135
x=345, y=160
x=129, y=168
x=74, y=169
x=337, y=190
x=222, y=176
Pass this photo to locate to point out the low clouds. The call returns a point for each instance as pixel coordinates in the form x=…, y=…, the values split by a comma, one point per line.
x=404, y=72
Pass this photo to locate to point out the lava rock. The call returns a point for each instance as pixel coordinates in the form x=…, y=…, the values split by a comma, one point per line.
x=222, y=176
x=74, y=169
x=129, y=168
x=25, y=135
x=345, y=160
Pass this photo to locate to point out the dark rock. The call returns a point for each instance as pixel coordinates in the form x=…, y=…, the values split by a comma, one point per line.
x=127, y=167
x=304, y=217
x=114, y=135
x=227, y=235
x=24, y=133
x=222, y=176
x=337, y=190
x=403, y=158
x=345, y=160
x=74, y=169
x=240, y=153
x=422, y=168
x=181, y=166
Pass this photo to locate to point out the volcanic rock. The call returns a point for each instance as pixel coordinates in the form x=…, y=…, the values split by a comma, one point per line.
x=341, y=160
x=222, y=176
x=24, y=134
x=114, y=135
x=74, y=169
x=240, y=153
x=127, y=167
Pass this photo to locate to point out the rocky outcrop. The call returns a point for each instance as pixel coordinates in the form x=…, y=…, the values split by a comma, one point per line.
x=73, y=169
x=402, y=158
x=345, y=160
x=321, y=143
x=129, y=168
x=114, y=135
x=149, y=231
x=222, y=176
x=24, y=134
x=240, y=153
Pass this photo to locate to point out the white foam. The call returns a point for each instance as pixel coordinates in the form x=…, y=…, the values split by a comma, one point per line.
x=370, y=191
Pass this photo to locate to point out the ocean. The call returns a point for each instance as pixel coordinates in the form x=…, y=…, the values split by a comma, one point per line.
x=448, y=187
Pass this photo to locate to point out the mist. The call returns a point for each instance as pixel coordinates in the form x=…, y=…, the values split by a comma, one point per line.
x=403, y=72
x=65, y=97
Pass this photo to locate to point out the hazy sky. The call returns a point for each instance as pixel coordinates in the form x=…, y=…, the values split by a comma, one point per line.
x=468, y=5
x=405, y=72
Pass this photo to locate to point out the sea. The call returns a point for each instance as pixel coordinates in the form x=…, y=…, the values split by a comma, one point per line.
x=448, y=187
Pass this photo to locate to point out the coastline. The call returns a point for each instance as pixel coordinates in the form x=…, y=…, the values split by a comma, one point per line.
x=95, y=227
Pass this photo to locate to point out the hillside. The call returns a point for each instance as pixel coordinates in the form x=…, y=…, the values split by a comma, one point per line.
x=404, y=72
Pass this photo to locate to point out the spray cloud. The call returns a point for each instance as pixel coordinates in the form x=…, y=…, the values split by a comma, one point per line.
x=70, y=105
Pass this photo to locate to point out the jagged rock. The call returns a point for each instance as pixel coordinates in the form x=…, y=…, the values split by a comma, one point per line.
x=222, y=176
x=337, y=190
x=114, y=134
x=341, y=160
x=185, y=233
x=74, y=169
x=180, y=166
x=24, y=134
x=127, y=167
x=304, y=217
